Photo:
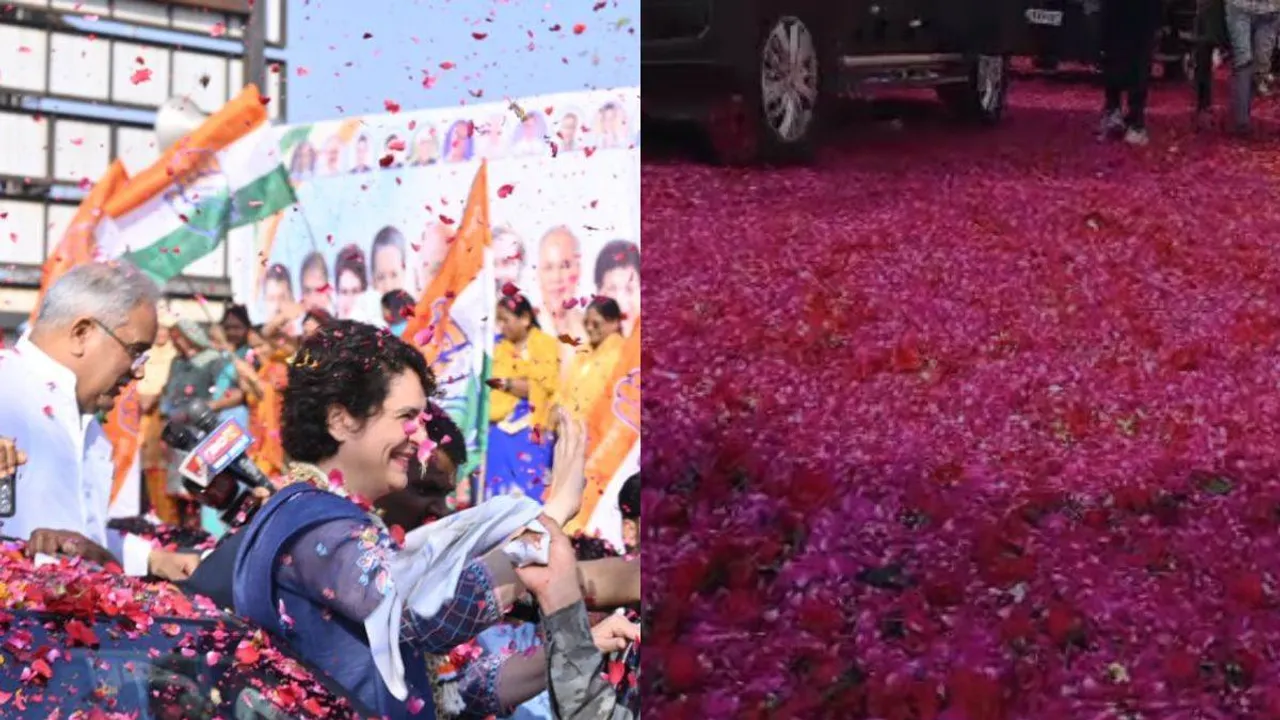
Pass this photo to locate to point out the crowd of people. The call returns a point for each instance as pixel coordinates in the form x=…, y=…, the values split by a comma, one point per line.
x=356, y=555
x=240, y=371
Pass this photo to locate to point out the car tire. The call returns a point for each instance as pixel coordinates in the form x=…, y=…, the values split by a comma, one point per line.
x=776, y=116
x=982, y=98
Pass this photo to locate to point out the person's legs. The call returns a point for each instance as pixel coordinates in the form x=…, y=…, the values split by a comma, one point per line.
x=1146, y=23
x=1208, y=19
x=1240, y=26
x=1203, y=61
x=1264, y=45
x=1114, y=50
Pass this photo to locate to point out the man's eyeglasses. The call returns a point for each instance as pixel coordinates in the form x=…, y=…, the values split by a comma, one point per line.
x=137, y=357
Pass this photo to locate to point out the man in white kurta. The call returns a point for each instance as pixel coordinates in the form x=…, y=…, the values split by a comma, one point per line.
x=90, y=340
x=66, y=481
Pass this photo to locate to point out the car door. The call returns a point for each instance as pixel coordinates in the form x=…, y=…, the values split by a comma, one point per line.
x=907, y=27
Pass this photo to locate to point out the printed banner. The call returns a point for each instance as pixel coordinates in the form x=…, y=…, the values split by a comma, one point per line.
x=380, y=202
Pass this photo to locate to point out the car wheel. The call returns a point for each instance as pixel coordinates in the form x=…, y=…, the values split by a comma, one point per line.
x=776, y=116
x=982, y=98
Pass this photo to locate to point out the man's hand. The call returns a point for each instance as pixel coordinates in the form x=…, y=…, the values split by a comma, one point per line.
x=614, y=633
x=68, y=542
x=172, y=566
x=555, y=585
x=10, y=457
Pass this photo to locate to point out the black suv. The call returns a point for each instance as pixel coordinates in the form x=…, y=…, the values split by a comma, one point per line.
x=766, y=71
x=1070, y=31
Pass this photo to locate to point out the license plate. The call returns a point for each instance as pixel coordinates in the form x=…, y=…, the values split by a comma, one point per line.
x=1052, y=18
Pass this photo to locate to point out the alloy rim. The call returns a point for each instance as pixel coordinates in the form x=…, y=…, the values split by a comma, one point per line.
x=789, y=79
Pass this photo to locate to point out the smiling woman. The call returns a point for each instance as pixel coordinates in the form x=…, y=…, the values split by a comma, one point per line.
x=353, y=419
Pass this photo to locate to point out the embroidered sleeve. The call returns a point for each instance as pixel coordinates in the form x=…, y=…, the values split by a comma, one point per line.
x=342, y=565
x=474, y=608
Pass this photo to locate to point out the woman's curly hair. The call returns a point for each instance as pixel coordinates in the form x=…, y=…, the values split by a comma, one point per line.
x=345, y=363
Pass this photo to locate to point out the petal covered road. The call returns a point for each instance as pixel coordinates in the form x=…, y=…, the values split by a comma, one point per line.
x=970, y=424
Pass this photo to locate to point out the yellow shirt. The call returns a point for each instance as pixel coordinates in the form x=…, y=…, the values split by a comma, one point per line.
x=538, y=363
x=588, y=374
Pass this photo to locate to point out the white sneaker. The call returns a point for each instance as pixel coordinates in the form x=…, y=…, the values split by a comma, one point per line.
x=1136, y=136
x=1112, y=125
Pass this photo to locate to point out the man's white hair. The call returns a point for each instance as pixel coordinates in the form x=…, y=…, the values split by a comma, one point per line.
x=107, y=291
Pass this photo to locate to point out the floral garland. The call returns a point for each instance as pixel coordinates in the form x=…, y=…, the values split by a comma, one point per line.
x=444, y=671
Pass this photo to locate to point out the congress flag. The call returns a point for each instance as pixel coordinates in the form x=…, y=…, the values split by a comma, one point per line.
x=453, y=324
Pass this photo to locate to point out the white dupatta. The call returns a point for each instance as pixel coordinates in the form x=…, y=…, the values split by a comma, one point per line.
x=425, y=572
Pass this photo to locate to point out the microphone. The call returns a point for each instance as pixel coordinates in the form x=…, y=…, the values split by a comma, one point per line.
x=180, y=436
x=205, y=421
x=210, y=470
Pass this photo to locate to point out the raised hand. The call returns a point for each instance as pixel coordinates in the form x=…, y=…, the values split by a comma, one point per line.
x=568, y=474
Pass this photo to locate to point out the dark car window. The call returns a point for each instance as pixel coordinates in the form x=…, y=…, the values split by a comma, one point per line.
x=176, y=670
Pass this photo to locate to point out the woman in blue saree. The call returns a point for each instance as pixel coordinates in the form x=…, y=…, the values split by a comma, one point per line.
x=316, y=566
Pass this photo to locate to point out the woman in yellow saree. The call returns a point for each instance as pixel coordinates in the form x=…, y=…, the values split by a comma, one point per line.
x=592, y=365
x=526, y=370
x=262, y=389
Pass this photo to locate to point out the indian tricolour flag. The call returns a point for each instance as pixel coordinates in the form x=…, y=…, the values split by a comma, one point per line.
x=453, y=325
x=225, y=174
x=613, y=447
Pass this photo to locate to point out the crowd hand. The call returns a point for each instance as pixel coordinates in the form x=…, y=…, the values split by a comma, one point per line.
x=10, y=457
x=172, y=566
x=67, y=542
x=554, y=585
x=614, y=634
x=568, y=474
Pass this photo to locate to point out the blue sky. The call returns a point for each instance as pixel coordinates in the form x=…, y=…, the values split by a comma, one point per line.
x=521, y=55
